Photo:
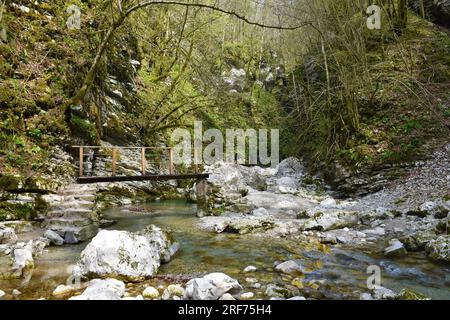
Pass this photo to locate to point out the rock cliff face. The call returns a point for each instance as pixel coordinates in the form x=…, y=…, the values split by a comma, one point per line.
x=437, y=10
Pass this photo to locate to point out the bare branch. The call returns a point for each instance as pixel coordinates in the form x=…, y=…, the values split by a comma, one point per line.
x=214, y=8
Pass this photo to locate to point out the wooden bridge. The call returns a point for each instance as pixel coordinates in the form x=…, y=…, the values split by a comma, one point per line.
x=145, y=175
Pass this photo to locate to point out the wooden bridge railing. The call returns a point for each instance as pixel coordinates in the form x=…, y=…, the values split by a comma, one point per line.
x=144, y=161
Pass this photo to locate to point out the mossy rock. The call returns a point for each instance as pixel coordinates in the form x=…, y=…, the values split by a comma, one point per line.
x=8, y=182
x=12, y=211
x=409, y=294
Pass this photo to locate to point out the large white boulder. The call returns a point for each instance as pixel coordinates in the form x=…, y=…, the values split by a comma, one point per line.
x=227, y=177
x=284, y=185
x=108, y=289
x=212, y=287
x=126, y=255
x=290, y=167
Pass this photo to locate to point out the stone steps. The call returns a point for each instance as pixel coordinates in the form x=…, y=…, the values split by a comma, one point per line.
x=80, y=197
x=82, y=204
x=61, y=223
x=71, y=216
x=80, y=233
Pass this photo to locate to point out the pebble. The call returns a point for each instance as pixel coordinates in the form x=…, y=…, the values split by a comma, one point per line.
x=150, y=293
x=62, y=290
x=297, y=298
x=16, y=292
x=227, y=296
x=250, y=269
x=247, y=295
x=256, y=285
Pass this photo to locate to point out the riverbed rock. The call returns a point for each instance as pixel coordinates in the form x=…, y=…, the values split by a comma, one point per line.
x=278, y=204
x=126, y=255
x=237, y=223
x=23, y=261
x=439, y=249
x=293, y=267
x=7, y=236
x=247, y=296
x=150, y=293
x=62, y=291
x=55, y=239
x=248, y=225
x=227, y=177
x=409, y=294
x=290, y=167
x=212, y=287
x=16, y=292
x=260, y=212
x=418, y=240
x=298, y=298
x=331, y=220
x=428, y=206
x=328, y=203
x=227, y=297
x=250, y=269
x=99, y=289
x=284, y=185
x=173, y=290
x=273, y=291
x=396, y=249
x=382, y=293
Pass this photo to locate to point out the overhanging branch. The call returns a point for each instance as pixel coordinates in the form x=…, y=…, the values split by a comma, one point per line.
x=214, y=8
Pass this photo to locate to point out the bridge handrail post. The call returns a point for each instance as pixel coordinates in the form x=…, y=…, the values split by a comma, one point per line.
x=143, y=161
x=195, y=160
x=171, y=167
x=81, y=161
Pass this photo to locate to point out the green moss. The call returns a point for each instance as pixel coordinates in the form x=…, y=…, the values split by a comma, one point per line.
x=84, y=128
x=10, y=211
x=409, y=294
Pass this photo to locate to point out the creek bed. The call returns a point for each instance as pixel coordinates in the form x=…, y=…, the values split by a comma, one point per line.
x=337, y=273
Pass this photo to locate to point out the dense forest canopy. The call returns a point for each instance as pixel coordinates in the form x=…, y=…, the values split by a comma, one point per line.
x=134, y=70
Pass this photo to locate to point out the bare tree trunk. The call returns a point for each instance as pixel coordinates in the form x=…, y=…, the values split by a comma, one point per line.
x=89, y=79
x=402, y=16
x=422, y=9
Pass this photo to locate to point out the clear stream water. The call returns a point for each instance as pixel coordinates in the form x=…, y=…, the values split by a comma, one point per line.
x=338, y=273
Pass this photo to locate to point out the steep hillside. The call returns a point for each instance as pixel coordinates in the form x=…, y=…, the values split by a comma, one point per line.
x=150, y=81
x=386, y=104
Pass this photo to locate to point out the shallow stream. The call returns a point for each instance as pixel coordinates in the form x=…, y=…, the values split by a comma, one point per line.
x=338, y=273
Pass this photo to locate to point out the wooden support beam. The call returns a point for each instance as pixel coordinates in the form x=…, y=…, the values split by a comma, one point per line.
x=143, y=161
x=114, y=159
x=87, y=180
x=195, y=160
x=171, y=167
x=81, y=161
